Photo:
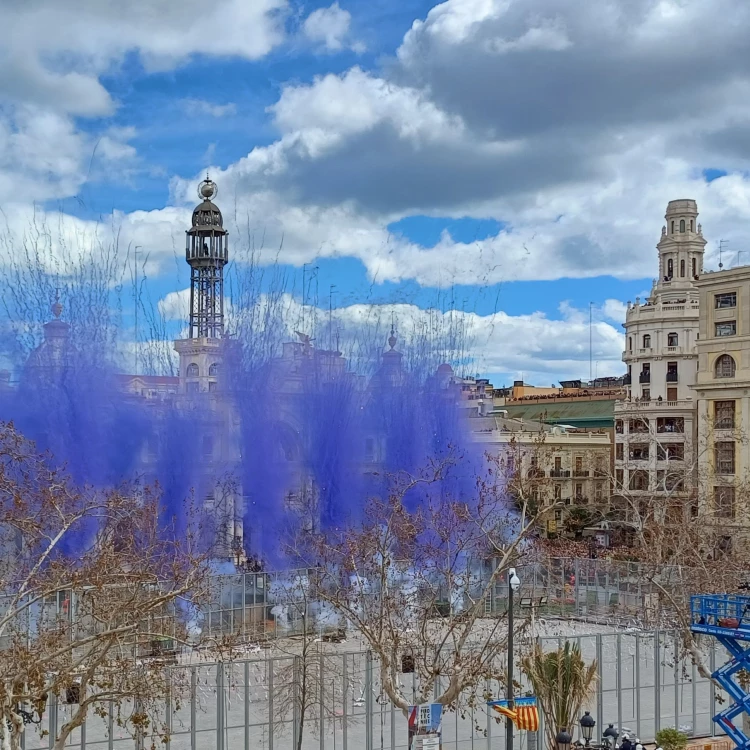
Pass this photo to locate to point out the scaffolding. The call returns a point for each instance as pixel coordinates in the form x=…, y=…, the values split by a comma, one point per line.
x=726, y=617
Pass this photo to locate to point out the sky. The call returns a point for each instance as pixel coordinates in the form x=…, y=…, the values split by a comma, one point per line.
x=508, y=159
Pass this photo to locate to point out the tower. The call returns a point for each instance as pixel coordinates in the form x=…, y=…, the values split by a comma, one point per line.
x=655, y=425
x=206, y=253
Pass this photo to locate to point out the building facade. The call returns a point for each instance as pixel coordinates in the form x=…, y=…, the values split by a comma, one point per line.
x=722, y=390
x=655, y=424
x=551, y=464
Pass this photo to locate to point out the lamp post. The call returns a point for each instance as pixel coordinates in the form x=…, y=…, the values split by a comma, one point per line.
x=514, y=583
x=610, y=736
x=587, y=723
x=563, y=739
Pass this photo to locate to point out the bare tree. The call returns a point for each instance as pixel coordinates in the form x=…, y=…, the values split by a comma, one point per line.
x=98, y=594
x=415, y=576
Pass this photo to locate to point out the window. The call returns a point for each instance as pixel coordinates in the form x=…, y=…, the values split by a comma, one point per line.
x=724, y=501
x=638, y=426
x=682, y=268
x=695, y=272
x=671, y=394
x=639, y=480
x=558, y=463
x=682, y=225
x=646, y=341
x=192, y=387
x=691, y=229
x=192, y=370
x=558, y=492
x=619, y=451
x=724, y=415
x=646, y=394
x=725, y=300
x=725, y=367
x=208, y=445
x=618, y=426
x=645, y=376
x=724, y=457
x=670, y=425
x=672, y=339
x=213, y=369
x=728, y=328
x=579, y=491
x=672, y=227
x=671, y=372
x=671, y=452
x=670, y=263
x=639, y=451
x=618, y=478
x=674, y=482
x=212, y=386
x=630, y=343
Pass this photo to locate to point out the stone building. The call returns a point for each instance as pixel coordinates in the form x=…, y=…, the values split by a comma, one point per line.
x=722, y=389
x=655, y=424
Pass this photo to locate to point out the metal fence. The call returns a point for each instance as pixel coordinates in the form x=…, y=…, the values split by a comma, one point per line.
x=255, y=704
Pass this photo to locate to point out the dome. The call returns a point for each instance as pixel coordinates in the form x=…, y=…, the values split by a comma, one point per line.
x=207, y=216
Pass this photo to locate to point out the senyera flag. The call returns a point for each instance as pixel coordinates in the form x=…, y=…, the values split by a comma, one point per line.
x=524, y=714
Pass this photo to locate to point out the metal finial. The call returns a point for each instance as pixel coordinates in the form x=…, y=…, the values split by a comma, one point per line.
x=208, y=189
x=57, y=308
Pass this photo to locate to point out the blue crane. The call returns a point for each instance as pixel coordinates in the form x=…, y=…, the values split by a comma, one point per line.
x=726, y=617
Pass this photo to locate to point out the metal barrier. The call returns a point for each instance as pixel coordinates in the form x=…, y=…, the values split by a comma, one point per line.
x=257, y=704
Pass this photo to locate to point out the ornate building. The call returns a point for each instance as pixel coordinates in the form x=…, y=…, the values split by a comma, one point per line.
x=722, y=389
x=655, y=424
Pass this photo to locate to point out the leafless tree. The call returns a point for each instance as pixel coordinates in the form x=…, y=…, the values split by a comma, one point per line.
x=97, y=593
x=414, y=578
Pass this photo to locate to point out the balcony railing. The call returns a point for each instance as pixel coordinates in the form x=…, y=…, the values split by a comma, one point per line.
x=580, y=473
x=652, y=405
x=671, y=376
x=626, y=380
x=559, y=473
x=644, y=377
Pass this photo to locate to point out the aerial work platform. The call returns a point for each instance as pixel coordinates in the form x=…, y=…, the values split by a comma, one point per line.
x=726, y=617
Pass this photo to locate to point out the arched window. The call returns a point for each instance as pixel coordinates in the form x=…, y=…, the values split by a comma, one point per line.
x=213, y=369
x=646, y=341
x=682, y=225
x=682, y=268
x=192, y=370
x=695, y=272
x=672, y=227
x=724, y=367
x=670, y=268
x=672, y=339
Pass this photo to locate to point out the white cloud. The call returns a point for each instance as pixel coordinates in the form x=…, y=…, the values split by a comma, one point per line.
x=200, y=107
x=175, y=305
x=61, y=70
x=329, y=28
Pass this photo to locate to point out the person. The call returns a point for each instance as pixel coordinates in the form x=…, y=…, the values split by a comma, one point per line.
x=626, y=744
x=638, y=745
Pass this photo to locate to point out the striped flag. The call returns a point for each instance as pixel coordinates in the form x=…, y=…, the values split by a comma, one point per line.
x=524, y=713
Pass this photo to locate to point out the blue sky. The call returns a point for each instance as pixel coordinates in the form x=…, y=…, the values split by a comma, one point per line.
x=508, y=158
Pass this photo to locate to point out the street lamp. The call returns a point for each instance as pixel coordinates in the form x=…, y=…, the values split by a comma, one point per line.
x=587, y=723
x=514, y=583
x=610, y=735
x=563, y=739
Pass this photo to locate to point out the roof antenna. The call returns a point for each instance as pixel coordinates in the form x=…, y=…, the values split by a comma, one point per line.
x=721, y=250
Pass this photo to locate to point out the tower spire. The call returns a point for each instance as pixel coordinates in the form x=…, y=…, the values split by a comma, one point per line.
x=206, y=253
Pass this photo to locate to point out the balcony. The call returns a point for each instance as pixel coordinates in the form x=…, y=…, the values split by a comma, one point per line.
x=671, y=376
x=673, y=349
x=559, y=473
x=652, y=406
x=644, y=377
x=626, y=380
x=578, y=473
